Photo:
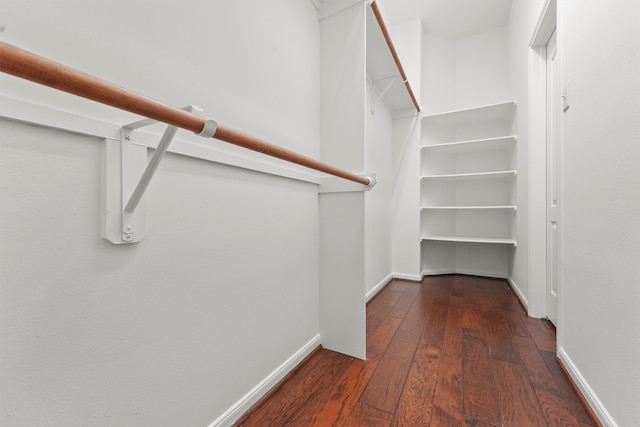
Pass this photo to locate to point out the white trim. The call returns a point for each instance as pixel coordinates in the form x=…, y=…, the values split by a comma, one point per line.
x=40, y=115
x=489, y=274
x=232, y=414
x=377, y=288
x=403, y=276
x=438, y=272
x=518, y=292
x=546, y=25
x=537, y=155
x=598, y=408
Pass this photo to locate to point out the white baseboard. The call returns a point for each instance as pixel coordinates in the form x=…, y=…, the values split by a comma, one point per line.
x=377, y=288
x=518, y=292
x=469, y=272
x=598, y=408
x=403, y=276
x=232, y=414
x=438, y=272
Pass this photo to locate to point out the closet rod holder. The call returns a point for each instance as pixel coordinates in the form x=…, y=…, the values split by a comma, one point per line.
x=35, y=68
x=394, y=53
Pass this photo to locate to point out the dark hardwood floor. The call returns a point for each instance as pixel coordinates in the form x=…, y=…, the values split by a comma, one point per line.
x=452, y=351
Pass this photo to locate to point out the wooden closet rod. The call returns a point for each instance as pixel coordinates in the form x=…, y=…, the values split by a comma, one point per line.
x=29, y=66
x=394, y=53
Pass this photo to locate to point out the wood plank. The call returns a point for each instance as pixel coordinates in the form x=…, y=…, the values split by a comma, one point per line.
x=344, y=394
x=452, y=340
x=385, y=386
x=542, y=334
x=554, y=399
x=379, y=306
x=498, y=336
x=516, y=323
x=402, y=306
x=416, y=403
x=447, y=404
x=574, y=401
x=471, y=316
x=319, y=373
x=363, y=415
x=519, y=404
x=479, y=394
x=473, y=422
x=378, y=342
x=457, y=286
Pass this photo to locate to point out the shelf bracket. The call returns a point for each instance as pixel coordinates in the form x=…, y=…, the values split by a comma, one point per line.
x=128, y=175
x=375, y=98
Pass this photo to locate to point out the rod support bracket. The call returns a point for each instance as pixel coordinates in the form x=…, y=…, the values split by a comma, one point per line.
x=127, y=177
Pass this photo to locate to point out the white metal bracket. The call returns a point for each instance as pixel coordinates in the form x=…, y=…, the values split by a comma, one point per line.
x=375, y=98
x=127, y=177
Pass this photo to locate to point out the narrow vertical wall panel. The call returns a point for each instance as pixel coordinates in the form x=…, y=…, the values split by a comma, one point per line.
x=342, y=142
x=406, y=198
x=342, y=292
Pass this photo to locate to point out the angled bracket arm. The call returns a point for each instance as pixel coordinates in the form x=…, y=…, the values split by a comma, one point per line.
x=124, y=219
x=375, y=98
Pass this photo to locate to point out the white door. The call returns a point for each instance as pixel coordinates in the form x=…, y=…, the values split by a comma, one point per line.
x=553, y=176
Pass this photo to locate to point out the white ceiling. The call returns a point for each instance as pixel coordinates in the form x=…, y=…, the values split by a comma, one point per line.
x=449, y=18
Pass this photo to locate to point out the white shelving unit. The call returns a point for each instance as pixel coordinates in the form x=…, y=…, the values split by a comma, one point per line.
x=468, y=201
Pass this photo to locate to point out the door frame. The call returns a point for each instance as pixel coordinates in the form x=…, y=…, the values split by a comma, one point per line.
x=537, y=158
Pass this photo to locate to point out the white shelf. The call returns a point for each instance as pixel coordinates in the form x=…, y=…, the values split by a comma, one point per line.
x=381, y=68
x=462, y=239
x=459, y=208
x=472, y=176
x=475, y=115
x=473, y=145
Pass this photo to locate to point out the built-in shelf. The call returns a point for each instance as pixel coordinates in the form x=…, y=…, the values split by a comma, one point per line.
x=470, y=208
x=482, y=114
x=462, y=239
x=499, y=143
x=382, y=69
x=468, y=161
x=475, y=176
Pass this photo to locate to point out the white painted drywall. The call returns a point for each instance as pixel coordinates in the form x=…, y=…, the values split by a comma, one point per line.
x=407, y=39
x=599, y=325
x=405, y=157
x=342, y=215
x=524, y=15
x=438, y=74
x=224, y=288
x=378, y=202
x=482, y=69
x=406, y=198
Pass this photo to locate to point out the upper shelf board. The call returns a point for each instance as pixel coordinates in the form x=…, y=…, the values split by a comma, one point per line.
x=381, y=68
x=499, y=143
x=474, y=175
x=475, y=115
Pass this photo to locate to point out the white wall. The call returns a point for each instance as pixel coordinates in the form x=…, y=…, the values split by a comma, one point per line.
x=482, y=69
x=522, y=22
x=438, y=74
x=599, y=301
x=167, y=331
x=598, y=333
x=407, y=39
x=342, y=215
x=378, y=202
